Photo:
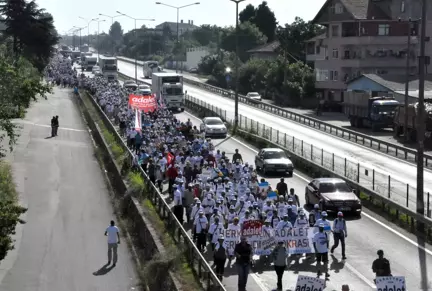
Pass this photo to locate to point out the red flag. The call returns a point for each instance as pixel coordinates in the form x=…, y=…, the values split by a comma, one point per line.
x=170, y=158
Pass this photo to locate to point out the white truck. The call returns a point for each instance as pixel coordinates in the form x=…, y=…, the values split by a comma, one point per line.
x=108, y=67
x=168, y=88
x=89, y=62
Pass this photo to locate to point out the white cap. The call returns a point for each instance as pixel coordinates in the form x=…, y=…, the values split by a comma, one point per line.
x=324, y=213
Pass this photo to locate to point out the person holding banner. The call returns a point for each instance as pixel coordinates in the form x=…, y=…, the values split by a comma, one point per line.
x=321, y=247
x=279, y=256
x=381, y=266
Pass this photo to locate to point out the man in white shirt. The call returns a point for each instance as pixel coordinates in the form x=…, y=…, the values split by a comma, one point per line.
x=178, y=203
x=113, y=234
x=321, y=246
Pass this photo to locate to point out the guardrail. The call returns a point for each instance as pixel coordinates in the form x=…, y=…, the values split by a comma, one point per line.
x=389, y=148
x=194, y=257
x=324, y=166
x=384, y=185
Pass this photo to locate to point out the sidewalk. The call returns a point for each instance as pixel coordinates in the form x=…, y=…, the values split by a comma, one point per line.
x=62, y=246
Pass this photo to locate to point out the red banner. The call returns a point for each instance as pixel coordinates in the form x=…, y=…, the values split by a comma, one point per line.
x=170, y=158
x=143, y=103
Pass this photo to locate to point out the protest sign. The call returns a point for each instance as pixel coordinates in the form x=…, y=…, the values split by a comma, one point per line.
x=232, y=237
x=263, y=186
x=390, y=283
x=143, y=103
x=306, y=283
x=298, y=240
x=272, y=195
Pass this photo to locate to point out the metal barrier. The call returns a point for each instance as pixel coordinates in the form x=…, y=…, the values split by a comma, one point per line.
x=371, y=180
x=389, y=148
x=180, y=236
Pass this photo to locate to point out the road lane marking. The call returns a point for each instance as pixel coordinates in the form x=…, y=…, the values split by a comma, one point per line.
x=47, y=126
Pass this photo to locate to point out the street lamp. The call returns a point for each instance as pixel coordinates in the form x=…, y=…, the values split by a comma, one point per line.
x=236, y=99
x=98, y=21
x=136, y=38
x=88, y=27
x=178, y=14
x=421, y=119
x=112, y=22
x=79, y=28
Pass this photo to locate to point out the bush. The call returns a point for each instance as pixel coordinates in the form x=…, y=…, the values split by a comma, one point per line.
x=10, y=210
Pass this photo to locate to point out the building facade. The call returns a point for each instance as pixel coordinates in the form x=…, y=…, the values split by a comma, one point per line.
x=182, y=26
x=365, y=37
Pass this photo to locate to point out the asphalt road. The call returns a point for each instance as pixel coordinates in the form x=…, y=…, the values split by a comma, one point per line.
x=366, y=235
x=62, y=246
x=401, y=172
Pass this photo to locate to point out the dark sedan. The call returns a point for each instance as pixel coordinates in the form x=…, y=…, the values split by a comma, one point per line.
x=332, y=195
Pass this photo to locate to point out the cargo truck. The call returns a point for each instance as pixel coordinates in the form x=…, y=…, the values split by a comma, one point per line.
x=89, y=62
x=108, y=67
x=412, y=111
x=365, y=111
x=168, y=88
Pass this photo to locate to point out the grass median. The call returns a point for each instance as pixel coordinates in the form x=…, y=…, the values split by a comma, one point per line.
x=10, y=210
x=173, y=260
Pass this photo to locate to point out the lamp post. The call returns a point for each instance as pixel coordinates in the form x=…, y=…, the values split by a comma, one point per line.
x=79, y=28
x=136, y=38
x=112, y=22
x=98, y=22
x=178, y=14
x=88, y=27
x=421, y=118
x=236, y=99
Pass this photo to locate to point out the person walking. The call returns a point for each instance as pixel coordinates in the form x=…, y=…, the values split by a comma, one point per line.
x=381, y=266
x=178, y=203
x=220, y=255
x=53, y=126
x=339, y=233
x=56, y=125
x=113, y=234
x=279, y=255
x=321, y=244
x=243, y=252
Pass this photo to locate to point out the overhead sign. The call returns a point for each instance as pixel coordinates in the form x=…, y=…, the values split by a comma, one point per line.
x=390, y=283
x=306, y=283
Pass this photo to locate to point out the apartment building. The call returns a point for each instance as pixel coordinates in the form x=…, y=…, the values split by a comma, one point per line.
x=182, y=26
x=365, y=37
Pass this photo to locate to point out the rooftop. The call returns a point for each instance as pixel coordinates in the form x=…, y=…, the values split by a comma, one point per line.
x=266, y=48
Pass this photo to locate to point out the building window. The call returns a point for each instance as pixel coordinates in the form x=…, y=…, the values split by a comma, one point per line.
x=402, y=6
x=321, y=75
x=384, y=29
x=338, y=8
x=317, y=50
x=332, y=9
x=334, y=75
x=335, y=30
x=335, y=54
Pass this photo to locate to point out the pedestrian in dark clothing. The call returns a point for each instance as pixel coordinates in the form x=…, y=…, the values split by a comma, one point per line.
x=220, y=257
x=279, y=256
x=243, y=252
x=56, y=125
x=53, y=126
x=282, y=187
x=381, y=266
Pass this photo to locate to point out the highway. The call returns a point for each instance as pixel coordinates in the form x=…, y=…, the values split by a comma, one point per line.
x=402, y=172
x=366, y=235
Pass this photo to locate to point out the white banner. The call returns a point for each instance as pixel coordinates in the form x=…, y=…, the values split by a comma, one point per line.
x=232, y=237
x=138, y=120
x=306, y=283
x=390, y=283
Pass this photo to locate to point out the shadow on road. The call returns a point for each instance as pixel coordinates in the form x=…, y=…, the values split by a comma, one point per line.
x=103, y=270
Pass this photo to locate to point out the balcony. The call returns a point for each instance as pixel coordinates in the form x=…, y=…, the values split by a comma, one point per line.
x=315, y=57
x=373, y=40
x=376, y=59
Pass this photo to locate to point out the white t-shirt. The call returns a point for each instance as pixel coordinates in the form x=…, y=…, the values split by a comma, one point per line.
x=112, y=234
x=320, y=239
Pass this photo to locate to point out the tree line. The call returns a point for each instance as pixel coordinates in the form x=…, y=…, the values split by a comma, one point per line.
x=27, y=40
x=286, y=79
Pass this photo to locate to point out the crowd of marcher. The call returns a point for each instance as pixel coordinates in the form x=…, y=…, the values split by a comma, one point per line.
x=211, y=192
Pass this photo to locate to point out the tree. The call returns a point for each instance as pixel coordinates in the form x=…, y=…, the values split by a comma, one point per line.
x=15, y=21
x=247, y=14
x=207, y=34
x=116, y=32
x=265, y=20
x=292, y=38
x=253, y=75
x=249, y=37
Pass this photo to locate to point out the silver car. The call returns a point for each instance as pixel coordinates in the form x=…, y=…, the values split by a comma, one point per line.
x=254, y=96
x=130, y=84
x=213, y=126
x=274, y=160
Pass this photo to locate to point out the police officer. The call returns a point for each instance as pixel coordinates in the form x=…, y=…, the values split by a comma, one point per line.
x=339, y=233
x=321, y=245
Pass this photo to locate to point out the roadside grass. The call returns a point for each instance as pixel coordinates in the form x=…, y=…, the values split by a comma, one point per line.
x=10, y=210
x=174, y=259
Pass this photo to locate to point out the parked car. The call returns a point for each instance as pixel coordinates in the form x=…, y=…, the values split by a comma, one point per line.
x=273, y=160
x=332, y=195
x=130, y=84
x=193, y=70
x=254, y=96
x=213, y=126
x=95, y=69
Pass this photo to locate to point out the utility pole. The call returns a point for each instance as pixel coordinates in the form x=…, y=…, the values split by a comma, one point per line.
x=112, y=22
x=421, y=119
x=237, y=65
x=407, y=81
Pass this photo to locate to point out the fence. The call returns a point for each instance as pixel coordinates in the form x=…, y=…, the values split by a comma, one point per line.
x=194, y=257
x=386, y=186
x=389, y=148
